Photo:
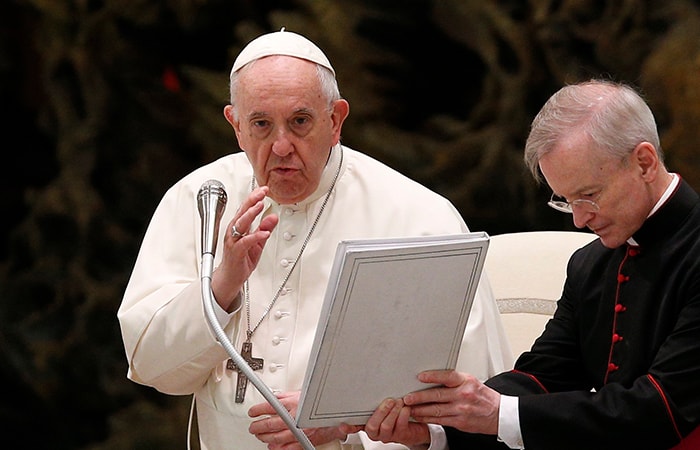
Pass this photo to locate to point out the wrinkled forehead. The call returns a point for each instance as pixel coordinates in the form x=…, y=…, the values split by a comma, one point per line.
x=575, y=167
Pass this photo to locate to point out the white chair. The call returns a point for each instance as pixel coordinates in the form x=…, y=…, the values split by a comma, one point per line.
x=526, y=272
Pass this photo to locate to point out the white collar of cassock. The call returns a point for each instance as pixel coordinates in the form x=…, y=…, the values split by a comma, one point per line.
x=667, y=193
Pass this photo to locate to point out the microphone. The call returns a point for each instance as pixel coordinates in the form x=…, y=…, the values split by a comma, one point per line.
x=211, y=201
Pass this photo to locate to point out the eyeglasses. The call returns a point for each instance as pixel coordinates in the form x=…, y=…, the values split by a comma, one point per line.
x=583, y=205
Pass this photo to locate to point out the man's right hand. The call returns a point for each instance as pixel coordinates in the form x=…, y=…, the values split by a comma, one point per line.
x=242, y=253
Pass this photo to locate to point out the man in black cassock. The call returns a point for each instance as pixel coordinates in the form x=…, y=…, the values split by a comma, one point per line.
x=618, y=366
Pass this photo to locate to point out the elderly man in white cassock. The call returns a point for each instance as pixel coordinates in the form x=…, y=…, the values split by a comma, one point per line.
x=293, y=193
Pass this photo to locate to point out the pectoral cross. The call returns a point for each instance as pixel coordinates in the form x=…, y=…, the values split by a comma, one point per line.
x=254, y=363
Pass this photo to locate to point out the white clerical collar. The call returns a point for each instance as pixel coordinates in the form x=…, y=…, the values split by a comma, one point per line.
x=675, y=179
x=667, y=193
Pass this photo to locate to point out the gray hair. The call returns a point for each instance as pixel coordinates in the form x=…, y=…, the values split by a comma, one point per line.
x=613, y=116
x=327, y=81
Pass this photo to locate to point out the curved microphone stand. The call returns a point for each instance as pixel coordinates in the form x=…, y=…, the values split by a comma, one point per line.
x=211, y=202
x=208, y=297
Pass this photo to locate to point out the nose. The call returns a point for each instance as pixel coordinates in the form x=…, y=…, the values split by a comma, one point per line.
x=282, y=146
x=581, y=217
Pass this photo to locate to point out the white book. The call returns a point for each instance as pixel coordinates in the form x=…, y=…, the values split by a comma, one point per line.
x=393, y=308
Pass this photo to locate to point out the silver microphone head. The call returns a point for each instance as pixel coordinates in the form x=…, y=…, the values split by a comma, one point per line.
x=211, y=202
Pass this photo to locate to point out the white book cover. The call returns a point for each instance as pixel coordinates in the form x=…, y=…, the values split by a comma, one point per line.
x=393, y=308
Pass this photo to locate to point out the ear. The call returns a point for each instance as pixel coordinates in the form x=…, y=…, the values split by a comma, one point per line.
x=647, y=159
x=341, y=109
x=228, y=114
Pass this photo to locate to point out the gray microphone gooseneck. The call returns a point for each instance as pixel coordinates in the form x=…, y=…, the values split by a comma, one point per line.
x=211, y=201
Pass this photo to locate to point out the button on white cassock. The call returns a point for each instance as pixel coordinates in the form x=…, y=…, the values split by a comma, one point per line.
x=279, y=314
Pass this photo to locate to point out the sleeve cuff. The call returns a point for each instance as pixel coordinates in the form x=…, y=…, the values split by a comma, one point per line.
x=438, y=439
x=509, y=422
x=223, y=316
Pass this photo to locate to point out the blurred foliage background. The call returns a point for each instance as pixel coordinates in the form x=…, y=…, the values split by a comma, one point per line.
x=109, y=102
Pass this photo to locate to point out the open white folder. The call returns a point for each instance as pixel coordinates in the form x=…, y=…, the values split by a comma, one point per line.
x=393, y=308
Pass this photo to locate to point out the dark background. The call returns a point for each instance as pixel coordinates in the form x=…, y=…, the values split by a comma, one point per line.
x=107, y=103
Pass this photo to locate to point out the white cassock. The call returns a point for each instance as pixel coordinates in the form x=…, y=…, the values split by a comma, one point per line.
x=169, y=343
